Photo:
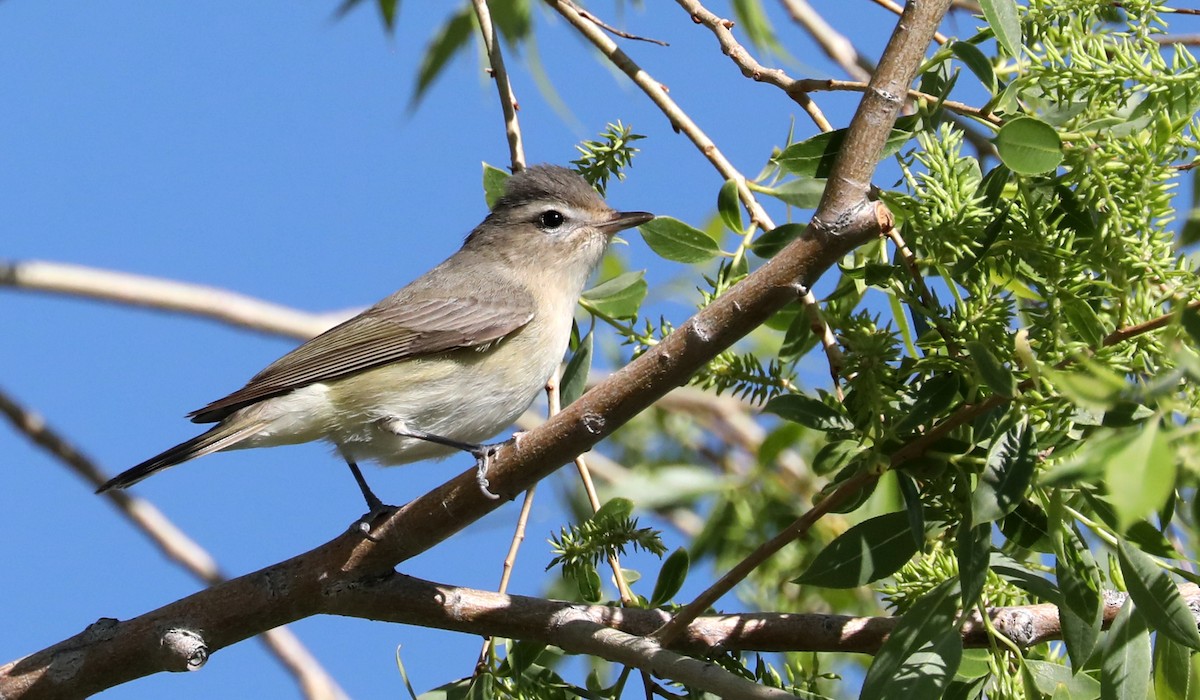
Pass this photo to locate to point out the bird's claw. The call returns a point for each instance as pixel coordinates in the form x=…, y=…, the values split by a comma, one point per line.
x=483, y=460
x=364, y=524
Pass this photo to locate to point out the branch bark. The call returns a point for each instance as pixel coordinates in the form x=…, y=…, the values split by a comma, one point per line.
x=612, y=632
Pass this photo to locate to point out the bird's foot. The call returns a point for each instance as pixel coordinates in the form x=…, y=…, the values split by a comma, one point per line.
x=378, y=512
x=483, y=459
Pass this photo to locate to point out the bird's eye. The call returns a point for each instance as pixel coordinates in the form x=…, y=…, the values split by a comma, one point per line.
x=550, y=220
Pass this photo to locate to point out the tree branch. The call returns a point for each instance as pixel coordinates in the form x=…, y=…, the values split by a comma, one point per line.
x=314, y=681
x=166, y=295
x=508, y=102
x=611, y=632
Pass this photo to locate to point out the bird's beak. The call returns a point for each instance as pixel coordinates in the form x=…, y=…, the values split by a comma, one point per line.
x=621, y=220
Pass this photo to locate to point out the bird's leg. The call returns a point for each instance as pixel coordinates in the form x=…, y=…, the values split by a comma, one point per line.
x=375, y=506
x=482, y=453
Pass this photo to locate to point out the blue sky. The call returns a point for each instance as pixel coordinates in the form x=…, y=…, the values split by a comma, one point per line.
x=268, y=149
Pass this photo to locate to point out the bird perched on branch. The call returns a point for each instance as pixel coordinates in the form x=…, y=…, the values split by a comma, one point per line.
x=441, y=365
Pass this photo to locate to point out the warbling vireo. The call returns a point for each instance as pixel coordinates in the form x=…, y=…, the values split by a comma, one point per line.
x=444, y=363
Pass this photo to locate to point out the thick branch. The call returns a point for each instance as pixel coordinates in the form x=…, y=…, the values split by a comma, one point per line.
x=611, y=632
x=412, y=601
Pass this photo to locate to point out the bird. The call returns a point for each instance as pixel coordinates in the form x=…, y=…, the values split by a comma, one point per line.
x=443, y=364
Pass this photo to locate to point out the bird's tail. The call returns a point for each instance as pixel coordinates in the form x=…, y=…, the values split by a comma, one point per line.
x=220, y=437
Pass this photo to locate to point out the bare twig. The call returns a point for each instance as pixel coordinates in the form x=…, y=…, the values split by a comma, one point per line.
x=611, y=29
x=749, y=66
x=1184, y=39
x=314, y=681
x=508, y=102
x=166, y=295
x=589, y=488
x=914, y=272
x=966, y=110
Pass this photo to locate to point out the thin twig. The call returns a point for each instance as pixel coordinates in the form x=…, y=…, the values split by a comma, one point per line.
x=1184, y=39
x=966, y=110
x=611, y=29
x=669, y=632
x=914, y=272
x=554, y=398
x=315, y=681
x=682, y=519
x=510, y=560
x=508, y=102
x=749, y=66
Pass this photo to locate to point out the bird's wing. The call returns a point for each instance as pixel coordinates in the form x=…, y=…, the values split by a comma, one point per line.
x=386, y=333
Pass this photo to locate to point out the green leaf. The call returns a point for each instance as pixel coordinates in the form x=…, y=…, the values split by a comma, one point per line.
x=523, y=653
x=924, y=628
x=836, y=455
x=494, y=183
x=1029, y=146
x=1139, y=475
x=912, y=505
x=1156, y=596
x=388, y=9
x=773, y=241
x=575, y=376
x=1084, y=321
x=804, y=192
x=614, y=509
x=1050, y=676
x=1172, y=669
x=1190, y=320
x=1002, y=17
x=1027, y=527
x=1020, y=576
x=867, y=552
x=483, y=687
x=814, y=157
x=931, y=400
x=1081, y=606
x=674, y=240
x=587, y=580
x=1125, y=666
x=1009, y=471
x=997, y=377
x=619, y=297
x=808, y=411
x=513, y=19
x=973, y=549
x=670, y=577
x=977, y=63
x=448, y=40
x=1189, y=233
x=929, y=670
x=729, y=206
